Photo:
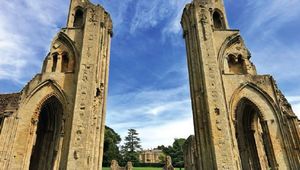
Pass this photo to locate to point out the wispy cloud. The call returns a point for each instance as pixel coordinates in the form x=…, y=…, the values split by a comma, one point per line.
x=295, y=101
x=276, y=58
x=26, y=29
x=165, y=133
x=174, y=26
x=152, y=110
x=269, y=15
x=149, y=13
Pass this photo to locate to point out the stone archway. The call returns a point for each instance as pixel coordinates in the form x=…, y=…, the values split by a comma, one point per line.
x=253, y=137
x=50, y=123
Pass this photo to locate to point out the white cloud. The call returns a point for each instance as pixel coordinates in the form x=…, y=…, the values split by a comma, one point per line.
x=26, y=29
x=269, y=15
x=166, y=132
x=156, y=110
x=174, y=25
x=296, y=108
x=161, y=114
x=151, y=13
x=148, y=14
x=295, y=102
x=277, y=59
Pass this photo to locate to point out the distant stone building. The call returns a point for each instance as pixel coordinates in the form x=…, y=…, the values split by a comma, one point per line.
x=150, y=156
x=241, y=119
x=57, y=120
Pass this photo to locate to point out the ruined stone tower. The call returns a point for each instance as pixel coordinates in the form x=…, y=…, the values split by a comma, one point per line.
x=241, y=119
x=57, y=120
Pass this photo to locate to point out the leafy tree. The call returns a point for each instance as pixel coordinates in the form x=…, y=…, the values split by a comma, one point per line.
x=111, y=149
x=131, y=147
x=175, y=151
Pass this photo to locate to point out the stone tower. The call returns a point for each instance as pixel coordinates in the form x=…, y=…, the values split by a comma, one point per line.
x=241, y=119
x=57, y=120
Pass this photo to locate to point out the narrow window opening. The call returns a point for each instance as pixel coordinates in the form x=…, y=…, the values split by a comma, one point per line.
x=98, y=92
x=78, y=19
x=236, y=64
x=1, y=123
x=65, y=63
x=218, y=20
x=54, y=62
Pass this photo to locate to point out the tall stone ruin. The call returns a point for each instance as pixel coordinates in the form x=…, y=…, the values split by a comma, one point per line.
x=241, y=119
x=57, y=120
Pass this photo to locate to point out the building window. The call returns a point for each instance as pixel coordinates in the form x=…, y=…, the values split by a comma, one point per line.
x=236, y=64
x=78, y=19
x=65, y=63
x=54, y=62
x=1, y=123
x=218, y=20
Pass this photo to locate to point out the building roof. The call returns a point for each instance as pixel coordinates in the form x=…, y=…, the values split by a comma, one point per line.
x=11, y=100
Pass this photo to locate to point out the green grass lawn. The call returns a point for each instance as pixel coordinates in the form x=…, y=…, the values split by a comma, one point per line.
x=143, y=168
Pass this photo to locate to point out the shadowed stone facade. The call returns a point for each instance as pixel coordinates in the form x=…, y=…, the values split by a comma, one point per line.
x=241, y=119
x=189, y=152
x=57, y=120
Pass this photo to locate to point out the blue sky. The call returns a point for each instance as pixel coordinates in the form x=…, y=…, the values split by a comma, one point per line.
x=148, y=87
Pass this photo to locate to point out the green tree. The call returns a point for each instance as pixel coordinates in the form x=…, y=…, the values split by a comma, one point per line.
x=131, y=147
x=176, y=152
x=111, y=149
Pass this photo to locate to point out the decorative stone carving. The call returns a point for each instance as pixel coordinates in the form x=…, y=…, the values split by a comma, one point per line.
x=93, y=16
x=168, y=164
x=114, y=165
x=129, y=166
x=284, y=105
x=238, y=54
x=203, y=21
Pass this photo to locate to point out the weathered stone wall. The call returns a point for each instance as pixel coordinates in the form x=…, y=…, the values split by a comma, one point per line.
x=75, y=72
x=222, y=77
x=189, y=154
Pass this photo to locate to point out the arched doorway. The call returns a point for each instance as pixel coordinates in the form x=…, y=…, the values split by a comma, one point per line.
x=254, y=142
x=48, y=134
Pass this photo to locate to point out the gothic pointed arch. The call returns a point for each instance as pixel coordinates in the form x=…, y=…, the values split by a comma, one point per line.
x=256, y=118
x=63, y=55
x=234, y=57
x=59, y=93
x=218, y=20
x=253, y=137
x=49, y=131
x=44, y=102
x=256, y=90
x=78, y=17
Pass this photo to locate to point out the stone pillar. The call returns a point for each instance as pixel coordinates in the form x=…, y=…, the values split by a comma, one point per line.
x=49, y=64
x=87, y=136
x=59, y=63
x=114, y=165
x=168, y=164
x=129, y=166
